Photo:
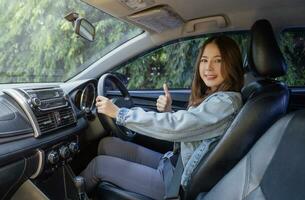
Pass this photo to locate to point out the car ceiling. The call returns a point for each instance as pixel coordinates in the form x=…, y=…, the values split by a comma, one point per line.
x=240, y=13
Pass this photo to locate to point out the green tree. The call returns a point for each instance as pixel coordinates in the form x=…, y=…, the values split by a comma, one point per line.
x=292, y=44
x=38, y=45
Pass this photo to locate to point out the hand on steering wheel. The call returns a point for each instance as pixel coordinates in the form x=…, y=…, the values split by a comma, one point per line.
x=107, y=109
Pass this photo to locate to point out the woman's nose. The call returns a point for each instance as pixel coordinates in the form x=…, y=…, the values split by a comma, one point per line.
x=210, y=66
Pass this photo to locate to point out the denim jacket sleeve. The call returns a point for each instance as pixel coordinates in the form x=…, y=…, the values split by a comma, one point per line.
x=213, y=112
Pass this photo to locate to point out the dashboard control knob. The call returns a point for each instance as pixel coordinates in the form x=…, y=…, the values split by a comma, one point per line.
x=73, y=146
x=35, y=101
x=64, y=152
x=53, y=157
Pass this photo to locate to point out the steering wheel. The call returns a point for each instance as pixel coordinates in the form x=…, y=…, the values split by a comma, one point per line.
x=124, y=101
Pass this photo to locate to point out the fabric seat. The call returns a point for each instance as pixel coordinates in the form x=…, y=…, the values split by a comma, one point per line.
x=266, y=100
x=273, y=169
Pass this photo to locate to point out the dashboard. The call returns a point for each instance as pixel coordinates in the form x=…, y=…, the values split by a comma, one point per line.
x=40, y=127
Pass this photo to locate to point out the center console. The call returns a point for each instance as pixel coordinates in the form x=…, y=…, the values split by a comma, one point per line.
x=50, y=112
x=48, y=109
x=59, y=154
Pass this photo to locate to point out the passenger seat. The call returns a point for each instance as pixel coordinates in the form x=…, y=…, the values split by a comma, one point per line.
x=274, y=169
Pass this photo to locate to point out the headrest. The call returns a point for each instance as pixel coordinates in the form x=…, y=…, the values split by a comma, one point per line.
x=265, y=58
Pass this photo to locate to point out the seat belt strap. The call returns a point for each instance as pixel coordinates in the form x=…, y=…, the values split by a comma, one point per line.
x=172, y=191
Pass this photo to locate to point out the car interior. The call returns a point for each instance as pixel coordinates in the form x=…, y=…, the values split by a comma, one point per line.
x=50, y=130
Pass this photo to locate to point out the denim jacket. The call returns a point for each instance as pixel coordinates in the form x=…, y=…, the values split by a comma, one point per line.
x=193, y=127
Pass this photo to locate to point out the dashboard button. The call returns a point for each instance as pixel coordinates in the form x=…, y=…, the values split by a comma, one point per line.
x=73, y=146
x=53, y=157
x=36, y=102
x=64, y=152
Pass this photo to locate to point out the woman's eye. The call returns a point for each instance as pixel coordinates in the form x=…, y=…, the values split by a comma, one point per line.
x=204, y=60
x=218, y=61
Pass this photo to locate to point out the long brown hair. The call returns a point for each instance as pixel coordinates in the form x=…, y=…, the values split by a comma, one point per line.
x=231, y=69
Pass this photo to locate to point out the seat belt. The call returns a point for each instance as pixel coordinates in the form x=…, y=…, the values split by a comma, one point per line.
x=172, y=191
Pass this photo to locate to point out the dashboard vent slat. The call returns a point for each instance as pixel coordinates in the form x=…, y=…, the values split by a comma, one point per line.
x=54, y=120
x=66, y=116
x=46, y=122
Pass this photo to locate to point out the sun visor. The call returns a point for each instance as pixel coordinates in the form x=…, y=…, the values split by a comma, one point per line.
x=158, y=19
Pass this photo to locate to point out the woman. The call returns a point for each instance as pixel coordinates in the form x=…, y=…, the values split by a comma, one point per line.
x=215, y=100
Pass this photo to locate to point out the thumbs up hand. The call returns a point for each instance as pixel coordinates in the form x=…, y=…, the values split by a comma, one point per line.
x=164, y=102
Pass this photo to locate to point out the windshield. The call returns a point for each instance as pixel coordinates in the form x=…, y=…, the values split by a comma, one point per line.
x=38, y=45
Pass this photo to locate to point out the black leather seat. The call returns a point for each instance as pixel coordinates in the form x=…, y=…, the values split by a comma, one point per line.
x=266, y=100
x=274, y=169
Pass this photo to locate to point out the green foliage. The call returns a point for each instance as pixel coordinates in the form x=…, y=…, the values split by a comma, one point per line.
x=38, y=45
x=293, y=47
x=163, y=65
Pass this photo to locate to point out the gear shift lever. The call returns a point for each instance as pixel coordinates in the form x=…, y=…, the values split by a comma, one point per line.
x=79, y=183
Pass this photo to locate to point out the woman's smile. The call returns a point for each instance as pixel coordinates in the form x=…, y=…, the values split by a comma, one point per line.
x=210, y=77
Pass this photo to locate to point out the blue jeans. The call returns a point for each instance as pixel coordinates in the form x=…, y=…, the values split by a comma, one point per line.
x=127, y=165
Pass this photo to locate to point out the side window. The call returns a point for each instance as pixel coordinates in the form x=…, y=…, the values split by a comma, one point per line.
x=292, y=44
x=173, y=64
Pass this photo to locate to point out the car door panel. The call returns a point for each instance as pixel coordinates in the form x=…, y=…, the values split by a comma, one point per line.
x=297, y=98
x=146, y=99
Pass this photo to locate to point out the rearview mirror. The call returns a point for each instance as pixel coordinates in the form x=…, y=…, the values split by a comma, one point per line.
x=84, y=29
x=82, y=26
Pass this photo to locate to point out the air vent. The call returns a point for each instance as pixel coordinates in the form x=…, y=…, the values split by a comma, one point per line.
x=54, y=120
x=66, y=116
x=46, y=122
